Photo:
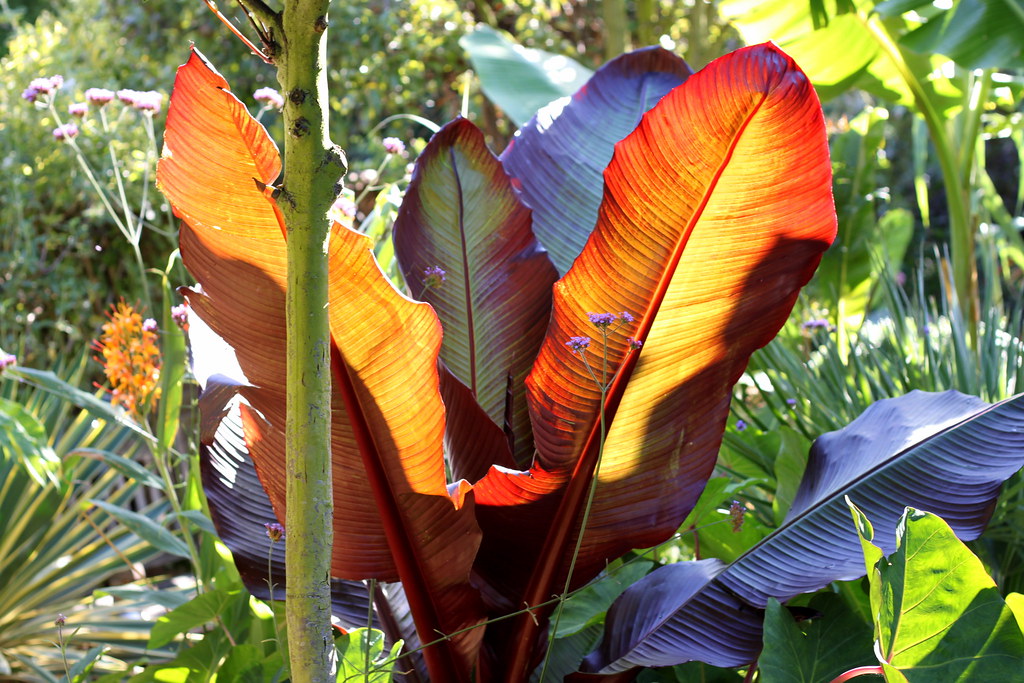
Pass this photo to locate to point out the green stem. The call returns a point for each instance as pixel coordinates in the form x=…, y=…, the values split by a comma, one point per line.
x=312, y=168
x=603, y=384
x=615, y=32
x=965, y=276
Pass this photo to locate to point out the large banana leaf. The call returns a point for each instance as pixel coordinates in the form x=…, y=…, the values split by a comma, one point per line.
x=558, y=157
x=716, y=211
x=461, y=214
x=394, y=518
x=946, y=453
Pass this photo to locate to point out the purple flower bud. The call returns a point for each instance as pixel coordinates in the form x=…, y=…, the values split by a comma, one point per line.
x=602, y=319
x=275, y=532
x=65, y=132
x=578, y=344
x=634, y=343
x=434, y=276
x=179, y=314
x=393, y=146
x=269, y=97
x=790, y=402
x=344, y=206
x=99, y=96
x=31, y=94
x=60, y=620
x=78, y=109
x=7, y=360
x=740, y=425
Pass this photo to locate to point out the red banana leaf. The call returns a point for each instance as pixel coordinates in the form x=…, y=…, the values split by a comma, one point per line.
x=716, y=211
x=394, y=517
x=461, y=214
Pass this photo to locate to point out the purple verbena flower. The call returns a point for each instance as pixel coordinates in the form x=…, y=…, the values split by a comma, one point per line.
x=790, y=402
x=634, y=343
x=31, y=94
x=65, y=131
x=179, y=314
x=434, y=276
x=149, y=325
x=626, y=317
x=60, y=620
x=393, y=146
x=344, y=206
x=275, y=532
x=127, y=96
x=578, y=344
x=740, y=425
x=78, y=109
x=7, y=360
x=817, y=323
x=148, y=102
x=602, y=319
x=98, y=97
x=269, y=97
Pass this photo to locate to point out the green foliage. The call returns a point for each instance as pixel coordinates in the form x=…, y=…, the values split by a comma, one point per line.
x=938, y=615
x=55, y=548
x=362, y=657
x=521, y=80
x=813, y=651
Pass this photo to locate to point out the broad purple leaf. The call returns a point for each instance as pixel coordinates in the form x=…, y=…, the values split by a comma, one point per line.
x=460, y=214
x=558, y=158
x=946, y=453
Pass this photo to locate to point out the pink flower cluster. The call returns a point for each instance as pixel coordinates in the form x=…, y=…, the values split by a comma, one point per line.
x=42, y=86
x=148, y=101
x=269, y=97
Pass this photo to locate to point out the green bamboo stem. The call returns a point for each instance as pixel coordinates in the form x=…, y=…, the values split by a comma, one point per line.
x=312, y=168
x=961, y=228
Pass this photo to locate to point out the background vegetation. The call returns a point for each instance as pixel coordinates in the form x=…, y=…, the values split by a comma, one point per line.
x=883, y=316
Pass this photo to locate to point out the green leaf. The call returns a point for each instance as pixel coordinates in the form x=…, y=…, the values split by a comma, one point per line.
x=517, y=79
x=126, y=466
x=47, y=381
x=79, y=673
x=172, y=373
x=200, y=610
x=588, y=606
x=940, y=617
x=1015, y=601
x=200, y=520
x=829, y=645
x=360, y=657
x=145, y=528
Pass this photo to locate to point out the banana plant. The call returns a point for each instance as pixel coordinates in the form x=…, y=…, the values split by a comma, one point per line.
x=508, y=425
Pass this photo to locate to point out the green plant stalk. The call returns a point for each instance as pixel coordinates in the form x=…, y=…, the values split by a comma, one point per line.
x=127, y=229
x=965, y=274
x=312, y=168
x=613, y=12
x=603, y=383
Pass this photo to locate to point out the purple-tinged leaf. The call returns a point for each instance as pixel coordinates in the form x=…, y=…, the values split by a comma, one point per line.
x=460, y=214
x=946, y=453
x=558, y=158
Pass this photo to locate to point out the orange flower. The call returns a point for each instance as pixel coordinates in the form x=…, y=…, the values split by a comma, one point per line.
x=131, y=358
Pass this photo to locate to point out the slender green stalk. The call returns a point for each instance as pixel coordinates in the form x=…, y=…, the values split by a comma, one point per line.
x=312, y=168
x=961, y=228
x=616, y=33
